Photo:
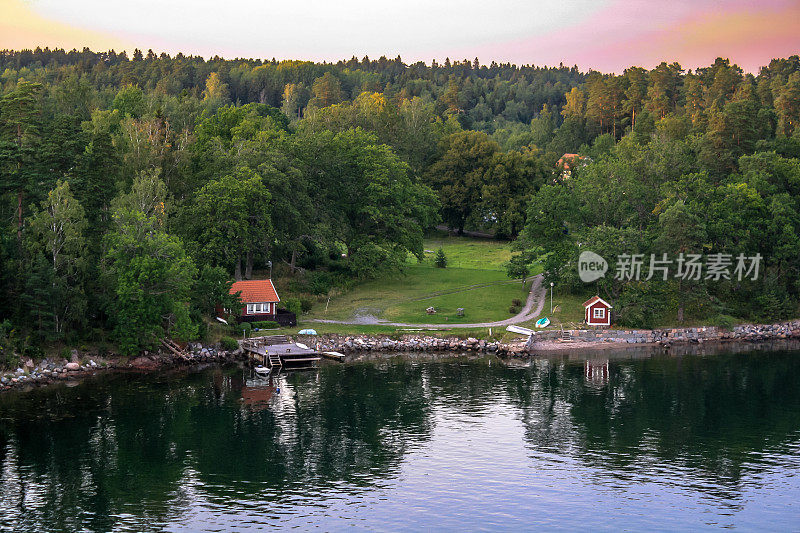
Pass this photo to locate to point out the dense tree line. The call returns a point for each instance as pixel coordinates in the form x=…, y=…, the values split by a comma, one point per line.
x=133, y=189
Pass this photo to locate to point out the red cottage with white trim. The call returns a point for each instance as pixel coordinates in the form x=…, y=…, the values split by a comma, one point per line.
x=597, y=312
x=259, y=299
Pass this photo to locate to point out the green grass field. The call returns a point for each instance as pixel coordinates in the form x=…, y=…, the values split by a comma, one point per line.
x=474, y=279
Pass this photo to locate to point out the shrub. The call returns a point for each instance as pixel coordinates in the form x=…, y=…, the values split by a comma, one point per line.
x=723, y=321
x=516, y=302
x=229, y=344
x=441, y=259
x=266, y=324
x=514, y=309
x=244, y=327
x=293, y=305
x=306, y=304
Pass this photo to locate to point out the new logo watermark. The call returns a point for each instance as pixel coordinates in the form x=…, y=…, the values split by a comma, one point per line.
x=634, y=267
x=591, y=267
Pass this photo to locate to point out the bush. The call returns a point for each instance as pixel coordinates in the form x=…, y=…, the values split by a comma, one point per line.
x=265, y=324
x=514, y=309
x=306, y=304
x=440, y=260
x=244, y=327
x=293, y=305
x=516, y=302
x=229, y=344
x=723, y=321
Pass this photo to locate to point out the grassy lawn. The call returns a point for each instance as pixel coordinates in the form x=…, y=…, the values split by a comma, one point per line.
x=467, y=252
x=474, y=279
x=567, y=311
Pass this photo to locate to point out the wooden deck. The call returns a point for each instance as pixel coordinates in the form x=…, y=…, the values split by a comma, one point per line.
x=277, y=352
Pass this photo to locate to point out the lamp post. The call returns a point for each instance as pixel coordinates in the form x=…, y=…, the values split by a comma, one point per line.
x=551, y=297
x=269, y=263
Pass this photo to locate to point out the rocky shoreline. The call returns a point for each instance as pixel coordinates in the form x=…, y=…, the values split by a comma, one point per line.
x=47, y=371
x=549, y=340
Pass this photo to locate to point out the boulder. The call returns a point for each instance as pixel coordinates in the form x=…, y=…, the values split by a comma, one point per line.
x=73, y=366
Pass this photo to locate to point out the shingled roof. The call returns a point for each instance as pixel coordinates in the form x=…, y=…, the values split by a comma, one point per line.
x=256, y=290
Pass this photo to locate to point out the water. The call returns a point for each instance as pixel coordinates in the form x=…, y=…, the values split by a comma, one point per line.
x=660, y=443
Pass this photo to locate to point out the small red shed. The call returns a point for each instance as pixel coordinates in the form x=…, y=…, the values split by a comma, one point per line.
x=598, y=312
x=259, y=299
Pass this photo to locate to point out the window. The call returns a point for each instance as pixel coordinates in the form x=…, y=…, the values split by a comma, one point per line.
x=254, y=309
x=599, y=312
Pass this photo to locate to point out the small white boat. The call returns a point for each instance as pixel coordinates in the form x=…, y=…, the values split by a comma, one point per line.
x=543, y=322
x=520, y=330
x=262, y=370
x=307, y=332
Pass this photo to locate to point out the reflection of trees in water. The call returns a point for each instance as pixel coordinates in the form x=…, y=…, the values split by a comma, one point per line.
x=712, y=415
x=139, y=445
x=129, y=445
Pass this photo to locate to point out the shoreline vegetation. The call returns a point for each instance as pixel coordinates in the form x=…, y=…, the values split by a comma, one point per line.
x=583, y=342
x=134, y=190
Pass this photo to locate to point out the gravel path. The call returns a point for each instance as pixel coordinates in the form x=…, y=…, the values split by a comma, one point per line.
x=533, y=308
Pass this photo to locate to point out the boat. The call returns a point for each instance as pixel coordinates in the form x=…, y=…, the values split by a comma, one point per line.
x=262, y=370
x=520, y=330
x=307, y=332
x=543, y=322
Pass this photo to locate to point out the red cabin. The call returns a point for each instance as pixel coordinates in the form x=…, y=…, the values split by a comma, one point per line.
x=259, y=299
x=598, y=312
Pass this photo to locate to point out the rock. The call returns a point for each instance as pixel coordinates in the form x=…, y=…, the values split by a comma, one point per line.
x=143, y=363
x=73, y=366
x=75, y=357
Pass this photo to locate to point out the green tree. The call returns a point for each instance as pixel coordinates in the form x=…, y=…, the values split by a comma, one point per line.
x=229, y=221
x=130, y=101
x=459, y=175
x=327, y=90
x=387, y=222
x=19, y=131
x=441, y=259
x=151, y=276
x=510, y=182
x=57, y=247
x=212, y=289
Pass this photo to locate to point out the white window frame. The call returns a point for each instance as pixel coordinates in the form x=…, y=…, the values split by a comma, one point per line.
x=258, y=308
x=599, y=312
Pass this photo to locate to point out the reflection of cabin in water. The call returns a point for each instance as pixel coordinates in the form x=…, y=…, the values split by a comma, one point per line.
x=257, y=393
x=596, y=371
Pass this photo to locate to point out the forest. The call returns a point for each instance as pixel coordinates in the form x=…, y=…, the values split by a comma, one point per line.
x=133, y=190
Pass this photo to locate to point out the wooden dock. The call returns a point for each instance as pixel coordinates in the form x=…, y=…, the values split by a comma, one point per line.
x=277, y=352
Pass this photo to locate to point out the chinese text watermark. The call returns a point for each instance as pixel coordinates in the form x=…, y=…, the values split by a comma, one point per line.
x=690, y=267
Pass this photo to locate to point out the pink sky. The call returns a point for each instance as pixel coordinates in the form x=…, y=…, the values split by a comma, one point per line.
x=605, y=35
x=644, y=33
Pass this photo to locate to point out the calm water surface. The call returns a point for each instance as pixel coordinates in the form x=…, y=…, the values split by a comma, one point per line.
x=659, y=443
